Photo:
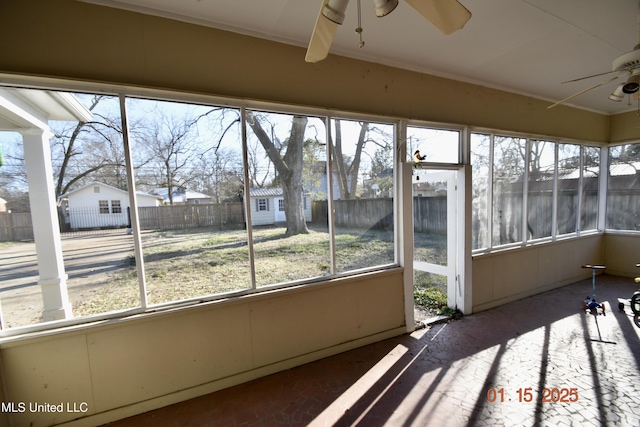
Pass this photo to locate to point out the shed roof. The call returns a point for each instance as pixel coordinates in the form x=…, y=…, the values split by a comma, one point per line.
x=265, y=192
x=138, y=193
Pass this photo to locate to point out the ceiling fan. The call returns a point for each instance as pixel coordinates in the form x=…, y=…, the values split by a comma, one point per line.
x=446, y=15
x=626, y=64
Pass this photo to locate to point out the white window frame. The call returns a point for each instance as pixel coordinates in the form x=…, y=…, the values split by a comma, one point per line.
x=116, y=207
x=123, y=94
x=103, y=207
x=554, y=236
x=262, y=205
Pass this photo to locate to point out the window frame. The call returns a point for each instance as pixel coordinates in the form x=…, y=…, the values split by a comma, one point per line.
x=606, y=173
x=123, y=93
x=555, y=235
x=399, y=130
x=262, y=204
x=116, y=207
x=103, y=207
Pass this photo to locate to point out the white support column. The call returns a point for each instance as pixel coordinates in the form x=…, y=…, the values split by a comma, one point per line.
x=53, y=279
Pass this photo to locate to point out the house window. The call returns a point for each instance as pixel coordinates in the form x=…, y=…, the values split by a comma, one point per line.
x=540, y=192
x=560, y=196
x=589, y=171
x=305, y=254
x=623, y=196
x=208, y=156
x=116, y=208
x=366, y=148
x=481, y=200
x=568, y=187
x=235, y=250
x=434, y=145
x=508, y=170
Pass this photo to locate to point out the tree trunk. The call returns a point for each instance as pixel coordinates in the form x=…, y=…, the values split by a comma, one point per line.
x=292, y=182
x=289, y=167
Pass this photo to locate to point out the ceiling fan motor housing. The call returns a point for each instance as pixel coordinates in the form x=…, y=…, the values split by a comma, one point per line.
x=628, y=61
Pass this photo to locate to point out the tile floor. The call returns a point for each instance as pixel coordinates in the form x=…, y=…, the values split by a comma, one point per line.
x=540, y=361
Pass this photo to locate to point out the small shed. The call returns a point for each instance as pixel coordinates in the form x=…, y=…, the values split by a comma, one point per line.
x=99, y=205
x=267, y=206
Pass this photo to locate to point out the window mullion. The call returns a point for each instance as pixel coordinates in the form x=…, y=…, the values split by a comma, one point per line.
x=330, y=208
x=554, y=213
x=603, y=185
x=135, y=222
x=580, y=190
x=525, y=192
x=490, y=193
x=247, y=197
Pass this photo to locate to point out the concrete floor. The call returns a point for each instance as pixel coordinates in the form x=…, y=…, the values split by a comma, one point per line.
x=493, y=368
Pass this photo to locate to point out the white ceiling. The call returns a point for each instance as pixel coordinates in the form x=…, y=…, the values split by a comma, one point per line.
x=522, y=46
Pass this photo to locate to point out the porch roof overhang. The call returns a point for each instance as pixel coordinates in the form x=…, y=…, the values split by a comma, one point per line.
x=28, y=108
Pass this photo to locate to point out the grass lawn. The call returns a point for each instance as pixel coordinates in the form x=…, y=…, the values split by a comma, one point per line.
x=430, y=290
x=181, y=265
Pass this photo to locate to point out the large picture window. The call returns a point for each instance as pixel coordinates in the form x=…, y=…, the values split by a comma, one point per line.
x=568, y=187
x=527, y=189
x=589, y=188
x=287, y=159
x=481, y=163
x=540, y=194
x=508, y=181
x=217, y=212
x=363, y=191
x=623, y=193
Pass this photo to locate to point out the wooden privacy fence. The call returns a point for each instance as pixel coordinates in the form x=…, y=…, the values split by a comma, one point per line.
x=222, y=216
x=364, y=213
x=430, y=213
x=15, y=227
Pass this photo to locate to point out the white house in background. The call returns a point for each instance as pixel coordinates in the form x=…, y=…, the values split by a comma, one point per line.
x=99, y=205
x=182, y=196
x=267, y=206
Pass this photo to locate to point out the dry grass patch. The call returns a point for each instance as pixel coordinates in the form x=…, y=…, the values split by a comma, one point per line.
x=184, y=265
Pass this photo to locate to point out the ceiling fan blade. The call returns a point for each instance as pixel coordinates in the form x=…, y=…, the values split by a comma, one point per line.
x=583, y=91
x=322, y=37
x=593, y=75
x=446, y=15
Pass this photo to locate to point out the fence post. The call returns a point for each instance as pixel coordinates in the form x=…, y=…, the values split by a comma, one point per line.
x=10, y=232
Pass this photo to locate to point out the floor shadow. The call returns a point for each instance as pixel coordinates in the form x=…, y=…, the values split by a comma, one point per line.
x=441, y=376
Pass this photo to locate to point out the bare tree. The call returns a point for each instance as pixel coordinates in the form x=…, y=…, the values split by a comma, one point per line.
x=258, y=174
x=76, y=146
x=220, y=175
x=347, y=168
x=173, y=148
x=288, y=167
